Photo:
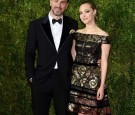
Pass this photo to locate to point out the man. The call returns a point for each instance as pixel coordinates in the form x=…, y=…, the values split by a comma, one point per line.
x=48, y=59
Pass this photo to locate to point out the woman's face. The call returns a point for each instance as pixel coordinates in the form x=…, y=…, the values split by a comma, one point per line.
x=87, y=14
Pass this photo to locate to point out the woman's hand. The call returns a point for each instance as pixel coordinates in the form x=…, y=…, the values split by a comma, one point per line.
x=100, y=93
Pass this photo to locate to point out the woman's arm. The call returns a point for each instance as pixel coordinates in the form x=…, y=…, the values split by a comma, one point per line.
x=105, y=48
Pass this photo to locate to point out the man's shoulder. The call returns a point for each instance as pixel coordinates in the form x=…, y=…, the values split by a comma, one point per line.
x=72, y=23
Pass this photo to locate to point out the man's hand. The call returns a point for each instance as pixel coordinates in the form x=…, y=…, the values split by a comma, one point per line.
x=99, y=63
x=30, y=80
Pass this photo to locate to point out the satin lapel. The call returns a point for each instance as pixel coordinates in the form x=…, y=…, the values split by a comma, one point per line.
x=65, y=32
x=47, y=30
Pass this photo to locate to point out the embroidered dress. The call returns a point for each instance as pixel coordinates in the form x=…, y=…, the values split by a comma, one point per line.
x=86, y=76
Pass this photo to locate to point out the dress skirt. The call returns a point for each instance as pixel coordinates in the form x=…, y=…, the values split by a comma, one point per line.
x=85, y=82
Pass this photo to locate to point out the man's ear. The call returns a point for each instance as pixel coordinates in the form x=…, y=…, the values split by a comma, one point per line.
x=50, y=2
x=67, y=5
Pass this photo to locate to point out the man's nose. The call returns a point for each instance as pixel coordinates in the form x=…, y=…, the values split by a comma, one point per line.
x=58, y=4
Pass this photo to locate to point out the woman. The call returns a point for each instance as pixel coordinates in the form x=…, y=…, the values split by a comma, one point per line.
x=88, y=95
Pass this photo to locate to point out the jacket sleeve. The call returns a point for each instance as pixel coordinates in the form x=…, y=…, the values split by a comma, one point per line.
x=30, y=51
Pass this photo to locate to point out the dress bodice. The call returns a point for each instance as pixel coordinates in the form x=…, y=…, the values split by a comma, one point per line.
x=88, y=47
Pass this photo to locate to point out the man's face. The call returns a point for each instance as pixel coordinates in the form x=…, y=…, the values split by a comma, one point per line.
x=58, y=7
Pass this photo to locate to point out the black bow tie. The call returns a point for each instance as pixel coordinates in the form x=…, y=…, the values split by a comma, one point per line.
x=59, y=21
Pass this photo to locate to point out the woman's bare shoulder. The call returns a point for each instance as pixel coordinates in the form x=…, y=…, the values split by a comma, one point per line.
x=102, y=32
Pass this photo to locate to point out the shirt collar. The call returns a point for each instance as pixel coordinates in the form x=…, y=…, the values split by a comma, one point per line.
x=50, y=18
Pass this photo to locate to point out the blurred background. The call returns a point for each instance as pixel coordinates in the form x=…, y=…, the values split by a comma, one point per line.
x=117, y=17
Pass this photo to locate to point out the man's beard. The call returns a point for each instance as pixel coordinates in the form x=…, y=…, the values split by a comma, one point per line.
x=57, y=14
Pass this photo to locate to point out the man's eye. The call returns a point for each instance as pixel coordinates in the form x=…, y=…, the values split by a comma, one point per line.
x=80, y=13
x=63, y=2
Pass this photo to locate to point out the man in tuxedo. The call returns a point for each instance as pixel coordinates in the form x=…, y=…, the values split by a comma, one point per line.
x=48, y=59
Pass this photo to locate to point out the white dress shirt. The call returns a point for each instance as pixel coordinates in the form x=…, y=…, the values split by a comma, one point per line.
x=56, y=30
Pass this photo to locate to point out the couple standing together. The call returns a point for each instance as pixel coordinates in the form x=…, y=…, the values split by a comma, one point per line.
x=61, y=62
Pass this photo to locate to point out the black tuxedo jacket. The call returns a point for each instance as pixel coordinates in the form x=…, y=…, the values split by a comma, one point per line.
x=41, y=54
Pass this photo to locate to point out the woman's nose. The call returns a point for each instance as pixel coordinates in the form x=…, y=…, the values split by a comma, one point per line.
x=83, y=15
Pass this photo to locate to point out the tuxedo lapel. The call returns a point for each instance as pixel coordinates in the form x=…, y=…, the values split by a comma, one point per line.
x=65, y=32
x=47, y=30
x=48, y=34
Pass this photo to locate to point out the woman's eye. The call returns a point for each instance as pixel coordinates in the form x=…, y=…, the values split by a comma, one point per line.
x=87, y=11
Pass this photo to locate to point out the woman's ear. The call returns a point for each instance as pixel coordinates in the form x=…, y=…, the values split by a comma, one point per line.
x=95, y=12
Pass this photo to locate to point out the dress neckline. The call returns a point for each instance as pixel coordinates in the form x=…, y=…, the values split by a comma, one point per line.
x=91, y=34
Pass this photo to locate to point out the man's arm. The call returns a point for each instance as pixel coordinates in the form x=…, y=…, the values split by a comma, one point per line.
x=30, y=50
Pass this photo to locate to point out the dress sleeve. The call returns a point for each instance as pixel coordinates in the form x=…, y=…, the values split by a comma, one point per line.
x=74, y=36
x=105, y=40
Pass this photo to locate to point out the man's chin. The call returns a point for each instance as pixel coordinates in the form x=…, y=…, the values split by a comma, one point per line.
x=58, y=13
